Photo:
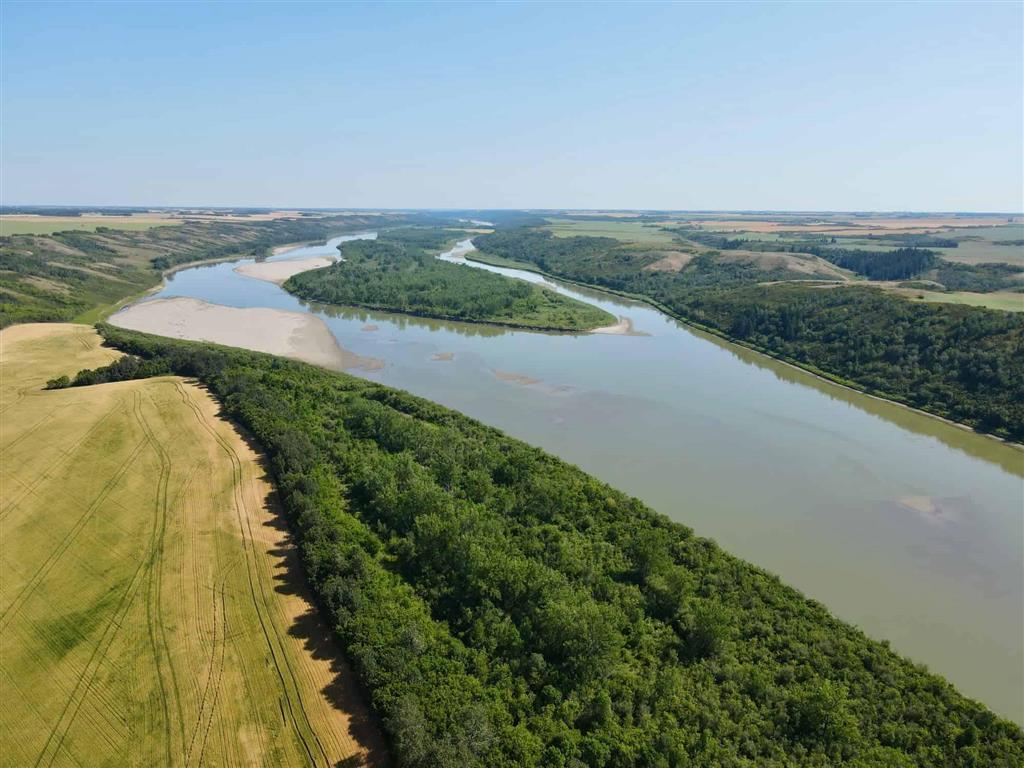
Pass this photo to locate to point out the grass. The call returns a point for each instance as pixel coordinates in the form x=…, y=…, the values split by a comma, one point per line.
x=625, y=230
x=150, y=604
x=1005, y=300
x=47, y=225
x=972, y=251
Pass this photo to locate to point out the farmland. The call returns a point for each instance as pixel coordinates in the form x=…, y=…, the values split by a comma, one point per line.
x=963, y=239
x=151, y=601
x=1004, y=300
x=620, y=229
x=28, y=224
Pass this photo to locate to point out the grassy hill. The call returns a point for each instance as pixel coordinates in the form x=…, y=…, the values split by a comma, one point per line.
x=75, y=274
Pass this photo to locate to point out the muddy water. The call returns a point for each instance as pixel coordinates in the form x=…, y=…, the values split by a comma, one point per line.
x=904, y=525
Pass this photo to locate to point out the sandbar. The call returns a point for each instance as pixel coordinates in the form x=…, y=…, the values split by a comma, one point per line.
x=276, y=331
x=516, y=378
x=279, y=271
x=622, y=328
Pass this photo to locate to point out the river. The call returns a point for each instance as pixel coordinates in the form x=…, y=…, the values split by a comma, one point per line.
x=908, y=527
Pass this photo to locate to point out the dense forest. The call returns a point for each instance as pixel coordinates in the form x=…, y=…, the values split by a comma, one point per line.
x=399, y=272
x=898, y=264
x=46, y=278
x=980, y=277
x=502, y=608
x=963, y=363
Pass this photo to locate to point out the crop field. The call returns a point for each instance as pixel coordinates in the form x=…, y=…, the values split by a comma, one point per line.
x=982, y=244
x=977, y=244
x=151, y=606
x=46, y=225
x=626, y=230
x=1005, y=300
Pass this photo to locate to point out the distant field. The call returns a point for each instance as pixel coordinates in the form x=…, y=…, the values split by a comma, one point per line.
x=1010, y=302
x=150, y=604
x=47, y=225
x=845, y=224
x=982, y=251
x=629, y=231
x=977, y=243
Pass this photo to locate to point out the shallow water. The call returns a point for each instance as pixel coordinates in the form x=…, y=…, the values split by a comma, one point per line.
x=911, y=528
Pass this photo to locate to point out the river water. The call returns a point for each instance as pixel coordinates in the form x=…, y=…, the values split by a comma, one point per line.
x=908, y=527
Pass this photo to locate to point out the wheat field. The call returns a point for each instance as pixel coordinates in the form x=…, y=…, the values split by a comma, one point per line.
x=151, y=606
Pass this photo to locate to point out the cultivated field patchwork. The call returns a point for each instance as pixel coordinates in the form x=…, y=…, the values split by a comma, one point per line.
x=152, y=611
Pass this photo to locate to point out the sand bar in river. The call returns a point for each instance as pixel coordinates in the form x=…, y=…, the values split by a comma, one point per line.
x=279, y=271
x=289, y=334
x=624, y=327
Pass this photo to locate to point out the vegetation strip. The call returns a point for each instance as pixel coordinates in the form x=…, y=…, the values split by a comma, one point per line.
x=504, y=608
x=399, y=272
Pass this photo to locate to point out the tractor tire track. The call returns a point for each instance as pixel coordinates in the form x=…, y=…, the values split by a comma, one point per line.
x=216, y=673
x=65, y=455
x=154, y=589
x=88, y=674
x=26, y=592
x=276, y=646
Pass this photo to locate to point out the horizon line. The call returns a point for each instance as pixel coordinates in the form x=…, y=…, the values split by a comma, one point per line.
x=399, y=209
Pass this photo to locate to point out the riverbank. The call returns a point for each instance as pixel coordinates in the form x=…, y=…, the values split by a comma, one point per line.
x=482, y=258
x=101, y=313
x=297, y=335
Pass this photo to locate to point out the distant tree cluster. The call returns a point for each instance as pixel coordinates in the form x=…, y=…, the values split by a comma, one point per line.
x=898, y=264
x=982, y=278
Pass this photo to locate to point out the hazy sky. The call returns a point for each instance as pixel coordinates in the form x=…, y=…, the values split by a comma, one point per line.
x=746, y=106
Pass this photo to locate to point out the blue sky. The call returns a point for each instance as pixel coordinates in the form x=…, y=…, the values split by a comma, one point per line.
x=910, y=106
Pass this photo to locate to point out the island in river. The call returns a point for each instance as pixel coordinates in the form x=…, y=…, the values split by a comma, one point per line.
x=399, y=272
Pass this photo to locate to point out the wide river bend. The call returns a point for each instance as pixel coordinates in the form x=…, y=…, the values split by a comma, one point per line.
x=909, y=527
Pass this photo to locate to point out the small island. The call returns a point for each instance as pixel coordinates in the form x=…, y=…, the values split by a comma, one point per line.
x=399, y=272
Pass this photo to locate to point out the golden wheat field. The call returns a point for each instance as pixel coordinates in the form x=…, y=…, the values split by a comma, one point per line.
x=151, y=608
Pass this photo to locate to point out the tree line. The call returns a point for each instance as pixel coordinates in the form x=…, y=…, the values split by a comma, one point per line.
x=503, y=608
